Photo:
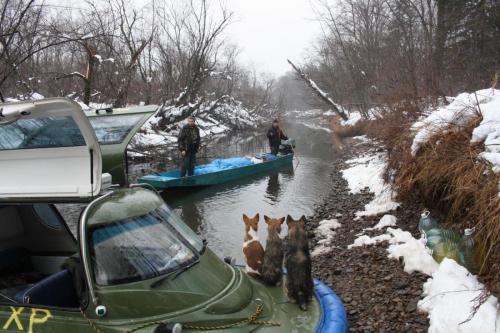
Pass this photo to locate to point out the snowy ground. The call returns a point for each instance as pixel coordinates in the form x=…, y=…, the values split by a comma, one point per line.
x=484, y=103
x=325, y=232
x=212, y=122
x=451, y=292
x=366, y=172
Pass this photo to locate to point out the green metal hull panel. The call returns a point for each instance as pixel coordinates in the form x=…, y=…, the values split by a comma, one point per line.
x=113, y=162
x=228, y=306
x=216, y=178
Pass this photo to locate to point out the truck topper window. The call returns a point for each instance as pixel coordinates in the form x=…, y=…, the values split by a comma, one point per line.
x=113, y=129
x=48, y=132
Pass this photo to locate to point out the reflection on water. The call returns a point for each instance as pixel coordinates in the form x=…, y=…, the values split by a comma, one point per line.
x=216, y=212
x=273, y=187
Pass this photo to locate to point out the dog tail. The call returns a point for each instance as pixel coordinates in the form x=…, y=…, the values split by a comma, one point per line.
x=301, y=299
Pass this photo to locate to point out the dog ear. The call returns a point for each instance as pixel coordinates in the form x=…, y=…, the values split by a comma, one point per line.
x=257, y=217
x=245, y=218
x=289, y=218
x=282, y=220
x=266, y=218
x=303, y=218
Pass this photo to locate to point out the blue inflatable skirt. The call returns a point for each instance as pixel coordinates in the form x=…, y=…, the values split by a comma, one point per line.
x=333, y=316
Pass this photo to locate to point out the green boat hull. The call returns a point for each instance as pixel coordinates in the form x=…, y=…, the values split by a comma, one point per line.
x=160, y=182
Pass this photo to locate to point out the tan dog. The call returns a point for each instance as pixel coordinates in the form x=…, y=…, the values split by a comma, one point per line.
x=252, y=248
x=272, y=266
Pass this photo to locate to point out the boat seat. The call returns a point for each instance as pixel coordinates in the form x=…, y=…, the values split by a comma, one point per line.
x=8, y=295
x=55, y=290
x=14, y=260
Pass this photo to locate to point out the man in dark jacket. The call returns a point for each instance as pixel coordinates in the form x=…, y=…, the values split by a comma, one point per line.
x=275, y=135
x=189, y=143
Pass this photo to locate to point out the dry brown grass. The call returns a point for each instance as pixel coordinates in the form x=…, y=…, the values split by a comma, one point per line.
x=447, y=174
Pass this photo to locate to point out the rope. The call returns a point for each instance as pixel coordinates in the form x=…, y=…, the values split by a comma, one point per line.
x=94, y=327
x=251, y=320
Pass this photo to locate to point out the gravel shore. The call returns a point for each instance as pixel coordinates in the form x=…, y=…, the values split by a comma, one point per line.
x=378, y=295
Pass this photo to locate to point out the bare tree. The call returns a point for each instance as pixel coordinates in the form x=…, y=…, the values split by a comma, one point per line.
x=128, y=28
x=193, y=40
x=25, y=30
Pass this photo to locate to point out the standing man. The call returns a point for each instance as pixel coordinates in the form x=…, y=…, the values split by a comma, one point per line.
x=275, y=135
x=189, y=143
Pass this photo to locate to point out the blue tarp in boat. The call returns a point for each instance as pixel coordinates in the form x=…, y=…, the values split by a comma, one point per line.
x=268, y=157
x=217, y=172
x=222, y=164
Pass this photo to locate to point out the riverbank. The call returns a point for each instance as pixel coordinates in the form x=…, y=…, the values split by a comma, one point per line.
x=378, y=295
x=367, y=248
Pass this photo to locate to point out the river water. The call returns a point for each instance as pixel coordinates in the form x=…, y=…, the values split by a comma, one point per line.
x=216, y=212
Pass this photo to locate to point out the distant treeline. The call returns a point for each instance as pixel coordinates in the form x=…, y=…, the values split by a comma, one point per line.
x=375, y=52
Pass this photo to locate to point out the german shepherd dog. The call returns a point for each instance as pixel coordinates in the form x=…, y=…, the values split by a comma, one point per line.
x=272, y=265
x=252, y=248
x=299, y=282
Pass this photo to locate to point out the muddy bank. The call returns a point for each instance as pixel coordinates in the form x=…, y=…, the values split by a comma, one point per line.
x=378, y=295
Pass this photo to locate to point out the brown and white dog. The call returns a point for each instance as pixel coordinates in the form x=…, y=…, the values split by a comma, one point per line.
x=252, y=248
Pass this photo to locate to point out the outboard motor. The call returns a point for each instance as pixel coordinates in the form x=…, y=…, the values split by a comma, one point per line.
x=287, y=146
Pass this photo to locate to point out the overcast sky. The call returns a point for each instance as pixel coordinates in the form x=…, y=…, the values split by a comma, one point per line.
x=270, y=31
x=267, y=31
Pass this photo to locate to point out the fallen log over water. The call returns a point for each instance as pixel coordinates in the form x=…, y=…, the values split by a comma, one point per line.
x=321, y=94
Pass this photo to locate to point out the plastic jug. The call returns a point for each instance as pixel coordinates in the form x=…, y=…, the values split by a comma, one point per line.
x=448, y=247
x=469, y=252
x=433, y=237
x=426, y=222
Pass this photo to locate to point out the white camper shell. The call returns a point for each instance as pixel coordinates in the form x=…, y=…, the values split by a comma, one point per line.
x=48, y=150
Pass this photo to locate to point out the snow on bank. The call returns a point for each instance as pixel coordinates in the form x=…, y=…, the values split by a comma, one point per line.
x=367, y=172
x=33, y=96
x=353, y=118
x=317, y=127
x=463, y=108
x=362, y=139
x=367, y=240
x=415, y=255
x=386, y=221
x=450, y=296
x=212, y=120
x=325, y=232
